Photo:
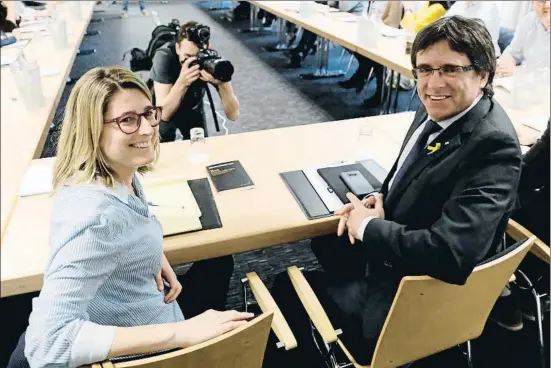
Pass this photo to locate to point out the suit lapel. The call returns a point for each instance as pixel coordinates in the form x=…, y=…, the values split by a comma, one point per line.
x=450, y=139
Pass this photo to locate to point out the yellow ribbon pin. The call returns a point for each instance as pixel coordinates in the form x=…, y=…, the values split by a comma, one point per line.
x=434, y=148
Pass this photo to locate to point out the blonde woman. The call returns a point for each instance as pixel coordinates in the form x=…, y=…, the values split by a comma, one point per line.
x=104, y=294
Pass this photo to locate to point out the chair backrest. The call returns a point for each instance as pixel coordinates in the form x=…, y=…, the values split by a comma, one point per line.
x=429, y=315
x=243, y=347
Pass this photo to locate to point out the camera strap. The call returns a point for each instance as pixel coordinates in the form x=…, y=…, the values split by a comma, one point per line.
x=211, y=102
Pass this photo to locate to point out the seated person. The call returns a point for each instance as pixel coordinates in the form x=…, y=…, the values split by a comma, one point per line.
x=8, y=17
x=486, y=11
x=104, y=291
x=440, y=212
x=7, y=39
x=307, y=43
x=390, y=17
x=180, y=89
x=530, y=44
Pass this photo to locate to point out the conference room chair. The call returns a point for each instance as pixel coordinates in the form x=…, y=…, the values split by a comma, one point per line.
x=243, y=347
x=541, y=250
x=427, y=315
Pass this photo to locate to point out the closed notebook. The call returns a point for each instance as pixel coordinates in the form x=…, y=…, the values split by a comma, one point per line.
x=229, y=176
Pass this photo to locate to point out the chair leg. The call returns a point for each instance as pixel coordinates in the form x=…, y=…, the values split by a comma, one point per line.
x=412, y=95
x=539, y=318
x=469, y=355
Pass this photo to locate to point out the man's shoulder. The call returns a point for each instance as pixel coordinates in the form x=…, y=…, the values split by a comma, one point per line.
x=165, y=65
x=497, y=122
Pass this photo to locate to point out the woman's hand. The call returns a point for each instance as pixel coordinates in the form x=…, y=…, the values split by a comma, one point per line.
x=168, y=274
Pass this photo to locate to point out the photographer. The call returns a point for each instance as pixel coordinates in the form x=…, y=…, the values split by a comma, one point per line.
x=180, y=82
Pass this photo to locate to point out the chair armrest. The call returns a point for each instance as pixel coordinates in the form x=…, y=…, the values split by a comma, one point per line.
x=517, y=232
x=267, y=304
x=312, y=305
x=96, y=365
x=107, y=364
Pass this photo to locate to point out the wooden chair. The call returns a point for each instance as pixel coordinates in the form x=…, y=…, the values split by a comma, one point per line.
x=427, y=315
x=516, y=231
x=241, y=348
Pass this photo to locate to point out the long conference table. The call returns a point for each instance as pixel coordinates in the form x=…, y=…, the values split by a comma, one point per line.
x=252, y=219
x=343, y=29
x=24, y=132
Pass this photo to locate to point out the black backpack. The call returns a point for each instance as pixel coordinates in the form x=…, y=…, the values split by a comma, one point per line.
x=141, y=60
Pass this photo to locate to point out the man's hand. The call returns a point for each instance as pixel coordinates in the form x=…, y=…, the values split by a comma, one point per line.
x=207, y=77
x=188, y=75
x=505, y=66
x=355, y=212
x=168, y=274
x=208, y=325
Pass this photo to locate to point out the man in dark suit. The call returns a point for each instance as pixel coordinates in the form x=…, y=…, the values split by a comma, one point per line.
x=442, y=209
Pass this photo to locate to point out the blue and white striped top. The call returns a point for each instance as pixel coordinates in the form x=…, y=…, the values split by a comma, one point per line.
x=105, y=252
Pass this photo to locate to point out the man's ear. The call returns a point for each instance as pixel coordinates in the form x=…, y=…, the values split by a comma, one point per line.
x=484, y=78
x=177, y=48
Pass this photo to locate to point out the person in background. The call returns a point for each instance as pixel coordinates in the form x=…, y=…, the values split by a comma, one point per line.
x=7, y=39
x=141, y=3
x=9, y=20
x=180, y=88
x=307, y=43
x=108, y=288
x=486, y=11
x=530, y=45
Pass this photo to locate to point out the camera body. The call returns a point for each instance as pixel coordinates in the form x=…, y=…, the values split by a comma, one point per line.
x=208, y=59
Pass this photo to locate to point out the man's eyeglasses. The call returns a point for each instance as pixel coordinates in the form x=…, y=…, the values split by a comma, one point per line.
x=130, y=122
x=449, y=71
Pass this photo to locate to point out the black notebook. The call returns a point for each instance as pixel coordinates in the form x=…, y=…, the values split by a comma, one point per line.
x=332, y=178
x=229, y=175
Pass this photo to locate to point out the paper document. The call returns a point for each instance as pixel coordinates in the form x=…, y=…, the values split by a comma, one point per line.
x=37, y=180
x=7, y=59
x=174, y=220
x=48, y=72
x=504, y=82
x=33, y=28
x=175, y=194
x=329, y=198
x=536, y=122
x=388, y=31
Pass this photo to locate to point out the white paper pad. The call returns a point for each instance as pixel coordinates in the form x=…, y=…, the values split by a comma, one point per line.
x=16, y=45
x=536, y=122
x=7, y=59
x=37, y=180
x=33, y=28
x=48, y=72
x=504, y=82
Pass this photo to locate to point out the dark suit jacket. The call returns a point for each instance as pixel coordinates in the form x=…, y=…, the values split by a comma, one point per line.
x=450, y=210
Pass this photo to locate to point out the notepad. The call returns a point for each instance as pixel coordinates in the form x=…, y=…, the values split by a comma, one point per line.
x=37, y=180
x=174, y=220
x=505, y=82
x=172, y=193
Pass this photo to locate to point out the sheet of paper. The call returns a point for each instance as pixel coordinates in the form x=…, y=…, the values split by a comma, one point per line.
x=33, y=22
x=388, y=31
x=7, y=59
x=33, y=28
x=175, y=220
x=48, y=72
x=37, y=180
x=536, y=122
x=173, y=194
x=504, y=82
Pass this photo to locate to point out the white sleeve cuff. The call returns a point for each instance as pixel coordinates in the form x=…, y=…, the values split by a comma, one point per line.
x=92, y=344
x=361, y=230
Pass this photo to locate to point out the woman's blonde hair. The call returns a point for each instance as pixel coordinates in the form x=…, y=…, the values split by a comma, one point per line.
x=78, y=150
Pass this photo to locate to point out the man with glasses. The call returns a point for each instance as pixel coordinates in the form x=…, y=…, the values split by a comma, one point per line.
x=530, y=45
x=443, y=207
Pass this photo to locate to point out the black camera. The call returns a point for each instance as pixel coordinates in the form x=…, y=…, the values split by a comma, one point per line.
x=209, y=60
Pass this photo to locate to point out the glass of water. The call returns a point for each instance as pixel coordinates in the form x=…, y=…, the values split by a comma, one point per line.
x=198, y=147
x=26, y=75
x=364, y=143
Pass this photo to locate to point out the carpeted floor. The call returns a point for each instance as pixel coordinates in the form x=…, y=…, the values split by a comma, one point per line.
x=271, y=96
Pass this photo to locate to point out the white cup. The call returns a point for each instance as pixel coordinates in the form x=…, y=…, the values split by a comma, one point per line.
x=26, y=75
x=59, y=33
x=368, y=33
x=306, y=8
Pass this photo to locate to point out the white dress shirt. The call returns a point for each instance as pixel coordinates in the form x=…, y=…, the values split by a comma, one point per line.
x=486, y=11
x=444, y=124
x=530, y=44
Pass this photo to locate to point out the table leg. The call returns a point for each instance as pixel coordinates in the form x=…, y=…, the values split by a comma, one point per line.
x=322, y=70
x=253, y=19
x=282, y=39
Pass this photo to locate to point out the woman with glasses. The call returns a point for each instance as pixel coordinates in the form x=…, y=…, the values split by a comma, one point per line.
x=108, y=288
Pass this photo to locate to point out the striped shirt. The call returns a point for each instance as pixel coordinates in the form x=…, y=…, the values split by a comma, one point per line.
x=106, y=249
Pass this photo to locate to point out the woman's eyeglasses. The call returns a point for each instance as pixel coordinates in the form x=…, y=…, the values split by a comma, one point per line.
x=130, y=122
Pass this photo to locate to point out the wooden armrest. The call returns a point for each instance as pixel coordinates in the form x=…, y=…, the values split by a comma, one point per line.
x=517, y=232
x=96, y=365
x=312, y=305
x=107, y=364
x=267, y=304
x=513, y=278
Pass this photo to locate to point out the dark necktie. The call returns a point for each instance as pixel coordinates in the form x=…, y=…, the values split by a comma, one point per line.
x=417, y=150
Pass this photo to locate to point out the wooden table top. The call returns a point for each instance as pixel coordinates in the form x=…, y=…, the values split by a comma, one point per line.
x=23, y=133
